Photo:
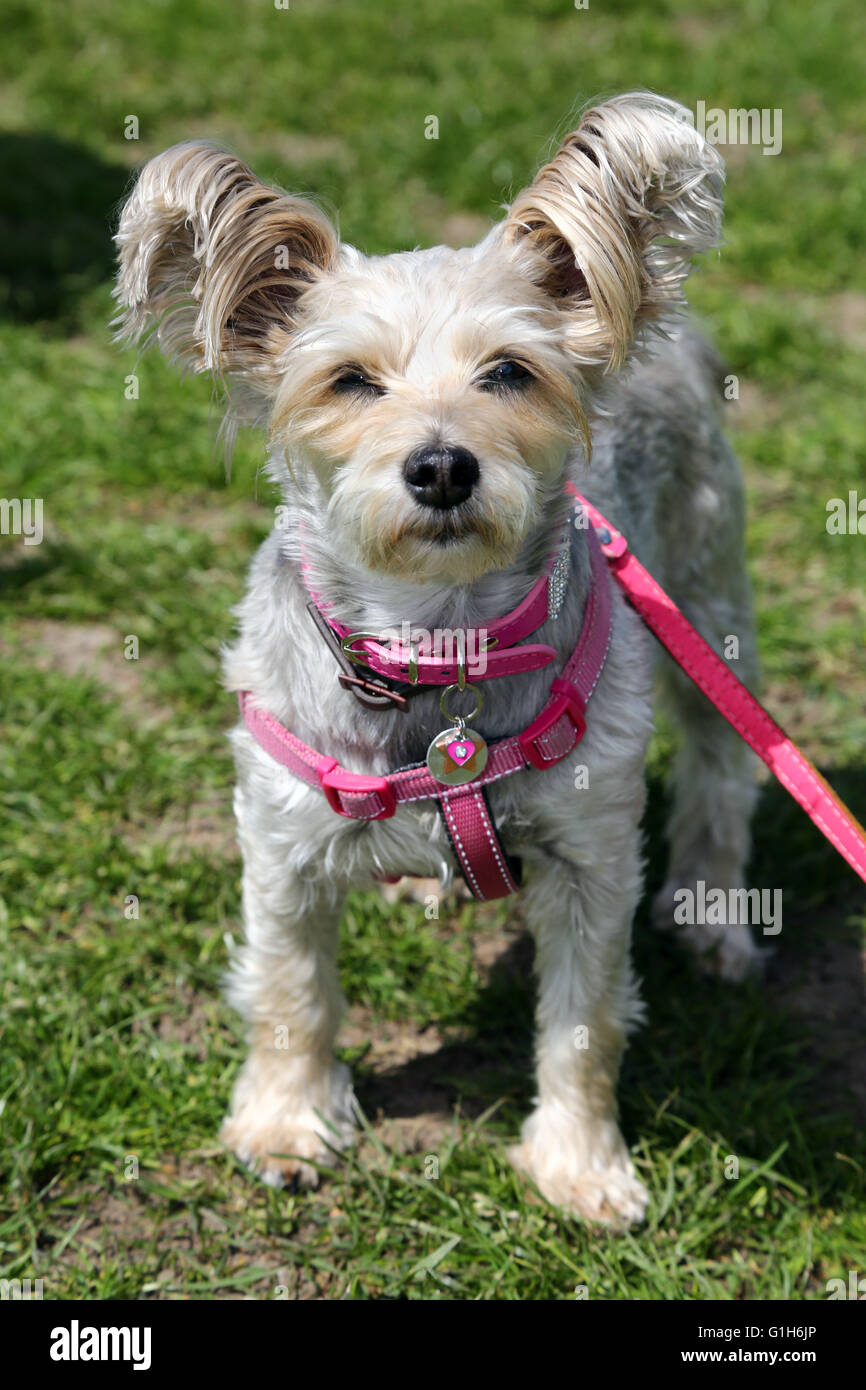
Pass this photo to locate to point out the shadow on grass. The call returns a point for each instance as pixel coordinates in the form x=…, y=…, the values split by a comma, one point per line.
x=780, y=1060
x=56, y=221
x=24, y=565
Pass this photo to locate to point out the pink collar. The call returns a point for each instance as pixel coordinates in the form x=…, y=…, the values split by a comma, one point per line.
x=483, y=653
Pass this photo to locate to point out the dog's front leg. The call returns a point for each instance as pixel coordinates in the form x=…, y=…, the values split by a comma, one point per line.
x=571, y=1144
x=292, y=1095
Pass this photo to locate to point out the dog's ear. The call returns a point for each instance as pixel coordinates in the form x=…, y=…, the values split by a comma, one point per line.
x=216, y=261
x=629, y=197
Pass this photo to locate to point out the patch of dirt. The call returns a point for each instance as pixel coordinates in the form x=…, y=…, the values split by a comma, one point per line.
x=190, y=1025
x=393, y=1048
x=409, y=1087
x=122, y=1219
x=492, y=946
x=802, y=715
x=207, y=825
x=698, y=31
x=392, y=1042
x=845, y=315
x=753, y=408
x=736, y=157
x=293, y=147
x=842, y=314
x=299, y=147
x=413, y=1134
x=440, y=225
x=95, y=650
x=14, y=553
x=218, y=516
x=221, y=523
x=85, y=649
x=463, y=229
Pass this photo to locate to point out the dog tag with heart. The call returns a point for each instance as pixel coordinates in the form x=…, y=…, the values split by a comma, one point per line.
x=456, y=756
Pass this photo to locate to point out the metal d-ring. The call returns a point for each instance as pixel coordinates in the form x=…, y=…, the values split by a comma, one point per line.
x=462, y=718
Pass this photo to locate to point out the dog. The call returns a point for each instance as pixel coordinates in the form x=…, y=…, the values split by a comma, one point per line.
x=425, y=411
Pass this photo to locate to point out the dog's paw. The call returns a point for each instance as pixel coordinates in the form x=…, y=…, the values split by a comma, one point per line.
x=282, y=1142
x=582, y=1168
x=726, y=950
x=612, y=1196
x=276, y=1153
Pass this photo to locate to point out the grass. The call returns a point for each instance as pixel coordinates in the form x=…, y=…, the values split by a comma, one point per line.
x=118, y=1053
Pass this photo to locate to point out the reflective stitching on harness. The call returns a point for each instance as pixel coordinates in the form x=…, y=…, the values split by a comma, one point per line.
x=485, y=782
x=494, y=841
x=461, y=849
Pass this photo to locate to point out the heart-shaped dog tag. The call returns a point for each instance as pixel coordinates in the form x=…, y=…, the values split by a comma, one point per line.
x=460, y=752
x=457, y=756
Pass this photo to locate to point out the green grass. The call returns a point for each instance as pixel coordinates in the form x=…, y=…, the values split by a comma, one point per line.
x=115, y=776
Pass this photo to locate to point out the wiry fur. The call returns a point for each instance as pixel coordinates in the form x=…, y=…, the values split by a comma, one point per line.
x=630, y=196
x=595, y=248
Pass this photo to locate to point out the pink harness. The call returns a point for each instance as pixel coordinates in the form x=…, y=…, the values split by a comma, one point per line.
x=562, y=722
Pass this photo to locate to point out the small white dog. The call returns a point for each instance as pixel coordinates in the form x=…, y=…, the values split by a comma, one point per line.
x=425, y=411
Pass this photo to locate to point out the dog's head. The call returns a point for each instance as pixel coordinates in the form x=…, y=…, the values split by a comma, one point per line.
x=434, y=394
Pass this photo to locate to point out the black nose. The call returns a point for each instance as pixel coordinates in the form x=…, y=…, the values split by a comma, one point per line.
x=441, y=475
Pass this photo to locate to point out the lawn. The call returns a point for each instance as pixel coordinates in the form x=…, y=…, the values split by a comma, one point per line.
x=118, y=871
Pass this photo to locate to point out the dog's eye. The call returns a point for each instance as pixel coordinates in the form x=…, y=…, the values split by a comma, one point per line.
x=352, y=381
x=507, y=373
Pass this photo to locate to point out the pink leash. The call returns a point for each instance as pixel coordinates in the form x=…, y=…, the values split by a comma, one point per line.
x=730, y=697
x=560, y=726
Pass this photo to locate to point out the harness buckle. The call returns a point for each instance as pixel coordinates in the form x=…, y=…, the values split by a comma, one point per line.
x=568, y=702
x=338, y=784
x=347, y=647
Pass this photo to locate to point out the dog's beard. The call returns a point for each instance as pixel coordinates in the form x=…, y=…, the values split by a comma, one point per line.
x=453, y=548
x=391, y=534
x=462, y=523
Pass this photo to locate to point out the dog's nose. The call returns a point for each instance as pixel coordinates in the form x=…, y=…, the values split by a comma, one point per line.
x=441, y=475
